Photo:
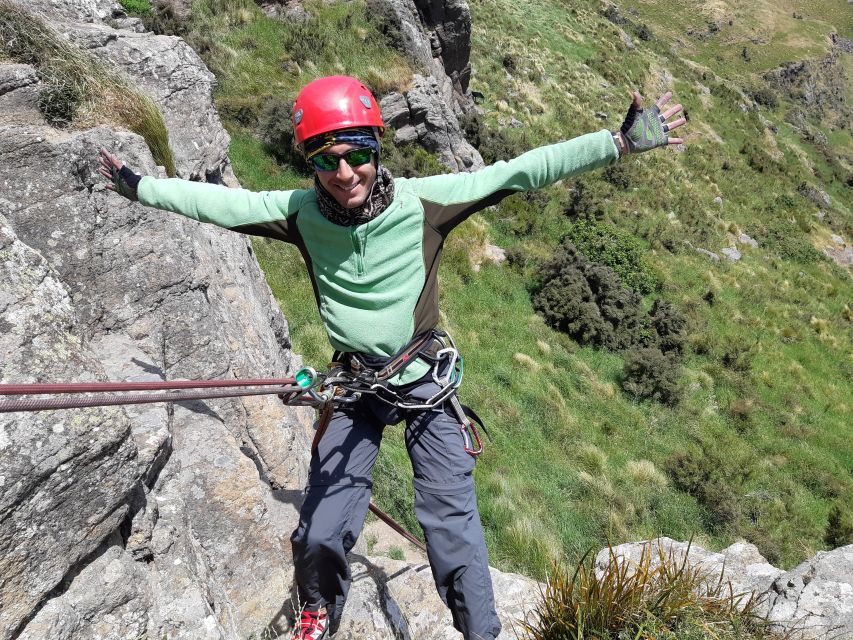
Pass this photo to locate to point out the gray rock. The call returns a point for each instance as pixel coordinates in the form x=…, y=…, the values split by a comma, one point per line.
x=434, y=124
x=64, y=476
x=843, y=256
x=731, y=253
x=718, y=201
x=815, y=600
x=746, y=239
x=515, y=123
x=111, y=590
x=437, y=37
x=495, y=254
x=837, y=239
x=710, y=254
x=16, y=76
x=601, y=115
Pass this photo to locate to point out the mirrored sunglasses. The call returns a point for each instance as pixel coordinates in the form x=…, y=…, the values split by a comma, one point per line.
x=331, y=161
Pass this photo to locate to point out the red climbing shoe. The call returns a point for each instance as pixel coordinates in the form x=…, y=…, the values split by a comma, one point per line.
x=312, y=626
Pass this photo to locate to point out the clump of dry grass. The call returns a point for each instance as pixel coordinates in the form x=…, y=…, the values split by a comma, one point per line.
x=77, y=88
x=655, y=598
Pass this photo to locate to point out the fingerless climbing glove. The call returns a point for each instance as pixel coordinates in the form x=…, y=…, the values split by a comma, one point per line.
x=644, y=129
x=126, y=182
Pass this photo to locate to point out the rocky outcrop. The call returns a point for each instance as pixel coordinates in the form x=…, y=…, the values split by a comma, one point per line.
x=421, y=115
x=818, y=85
x=436, y=35
x=158, y=520
x=814, y=600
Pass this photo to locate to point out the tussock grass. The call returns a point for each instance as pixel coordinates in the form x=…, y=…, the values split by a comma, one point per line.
x=659, y=597
x=77, y=88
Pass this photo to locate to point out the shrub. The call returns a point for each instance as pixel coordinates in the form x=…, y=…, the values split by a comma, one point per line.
x=714, y=475
x=589, y=302
x=136, y=7
x=275, y=129
x=492, y=142
x=765, y=96
x=651, y=374
x=163, y=21
x=756, y=157
x=59, y=98
x=381, y=16
x=522, y=213
x=839, y=528
x=410, y=160
x=605, y=244
x=670, y=326
x=585, y=200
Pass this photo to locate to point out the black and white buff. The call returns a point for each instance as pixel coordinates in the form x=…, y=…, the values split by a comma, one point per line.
x=380, y=196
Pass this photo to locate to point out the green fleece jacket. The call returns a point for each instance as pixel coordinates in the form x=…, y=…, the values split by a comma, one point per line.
x=376, y=283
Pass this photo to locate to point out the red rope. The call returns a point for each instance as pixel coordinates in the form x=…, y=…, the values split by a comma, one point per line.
x=208, y=389
x=100, y=387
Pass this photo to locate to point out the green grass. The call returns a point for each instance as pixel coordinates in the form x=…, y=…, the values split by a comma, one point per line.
x=575, y=462
x=136, y=7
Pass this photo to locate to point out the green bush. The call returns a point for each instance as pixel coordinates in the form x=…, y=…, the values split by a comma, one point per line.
x=493, y=143
x=589, y=302
x=651, y=374
x=765, y=96
x=522, y=213
x=607, y=245
x=585, y=200
x=839, y=528
x=275, y=129
x=714, y=475
x=136, y=7
x=410, y=160
x=670, y=326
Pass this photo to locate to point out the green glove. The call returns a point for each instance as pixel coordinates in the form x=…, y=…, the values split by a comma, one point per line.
x=644, y=130
x=126, y=182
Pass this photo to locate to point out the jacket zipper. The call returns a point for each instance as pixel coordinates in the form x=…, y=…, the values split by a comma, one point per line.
x=358, y=246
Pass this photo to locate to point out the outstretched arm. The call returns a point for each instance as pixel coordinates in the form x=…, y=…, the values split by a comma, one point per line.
x=202, y=201
x=450, y=199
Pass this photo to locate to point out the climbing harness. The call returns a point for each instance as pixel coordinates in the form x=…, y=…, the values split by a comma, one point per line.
x=355, y=375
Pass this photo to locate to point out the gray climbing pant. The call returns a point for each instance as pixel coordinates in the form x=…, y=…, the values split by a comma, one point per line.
x=338, y=494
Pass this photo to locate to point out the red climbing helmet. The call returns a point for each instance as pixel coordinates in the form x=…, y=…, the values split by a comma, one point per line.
x=332, y=103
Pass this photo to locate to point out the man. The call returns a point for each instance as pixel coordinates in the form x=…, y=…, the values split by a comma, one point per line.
x=372, y=246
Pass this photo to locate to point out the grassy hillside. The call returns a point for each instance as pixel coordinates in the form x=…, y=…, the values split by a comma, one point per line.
x=758, y=446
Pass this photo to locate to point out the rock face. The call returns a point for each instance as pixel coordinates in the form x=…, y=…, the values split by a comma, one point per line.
x=819, y=85
x=158, y=520
x=423, y=116
x=815, y=600
x=436, y=35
